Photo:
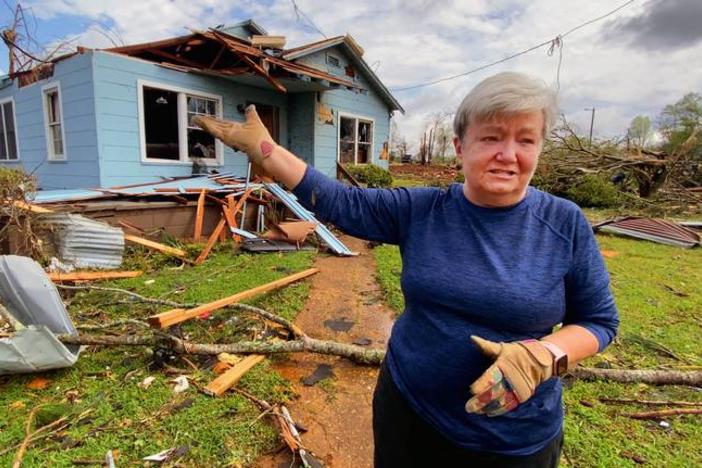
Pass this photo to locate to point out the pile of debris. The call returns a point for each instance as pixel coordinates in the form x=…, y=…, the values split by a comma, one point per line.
x=259, y=215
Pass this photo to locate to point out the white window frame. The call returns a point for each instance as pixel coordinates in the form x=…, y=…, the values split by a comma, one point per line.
x=50, y=155
x=356, y=117
x=183, y=157
x=4, y=101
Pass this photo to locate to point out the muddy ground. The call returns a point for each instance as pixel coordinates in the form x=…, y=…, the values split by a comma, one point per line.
x=345, y=305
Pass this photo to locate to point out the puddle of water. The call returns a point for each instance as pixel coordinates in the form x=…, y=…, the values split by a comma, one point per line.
x=342, y=324
x=323, y=371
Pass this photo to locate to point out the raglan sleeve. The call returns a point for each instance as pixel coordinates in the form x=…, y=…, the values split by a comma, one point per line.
x=589, y=300
x=373, y=214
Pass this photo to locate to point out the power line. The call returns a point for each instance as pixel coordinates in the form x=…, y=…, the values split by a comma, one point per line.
x=299, y=12
x=556, y=42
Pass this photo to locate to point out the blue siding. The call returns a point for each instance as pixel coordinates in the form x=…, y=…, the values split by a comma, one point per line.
x=118, y=123
x=81, y=168
x=301, y=118
x=368, y=105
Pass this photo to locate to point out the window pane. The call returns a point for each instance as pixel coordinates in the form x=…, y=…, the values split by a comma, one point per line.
x=57, y=139
x=346, y=152
x=211, y=108
x=363, y=153
x=192, y=104
x=10, y=130
x=365, y=132
x=161, y=124
x=346, y=132
x=52, y=105
x=201, y=144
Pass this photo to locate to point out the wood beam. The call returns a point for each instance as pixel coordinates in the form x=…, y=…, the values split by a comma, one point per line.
x=175, y=316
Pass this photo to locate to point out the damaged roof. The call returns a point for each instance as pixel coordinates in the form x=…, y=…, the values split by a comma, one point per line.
x=355, y=53
x=215, y=52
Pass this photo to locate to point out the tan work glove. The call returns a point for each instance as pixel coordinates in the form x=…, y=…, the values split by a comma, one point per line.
x=512, y=379
x=251, y=137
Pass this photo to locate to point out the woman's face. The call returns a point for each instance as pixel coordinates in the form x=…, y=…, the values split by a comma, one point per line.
x=499, y=157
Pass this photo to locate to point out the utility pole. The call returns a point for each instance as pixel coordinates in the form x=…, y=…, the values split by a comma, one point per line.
x=592, y=122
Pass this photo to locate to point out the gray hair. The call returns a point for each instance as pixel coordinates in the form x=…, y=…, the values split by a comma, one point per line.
x=506, y=93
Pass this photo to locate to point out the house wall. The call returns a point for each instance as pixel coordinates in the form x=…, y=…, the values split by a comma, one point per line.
x=368, y=105
x=301, y=118
x=81, y=168
x=116, y=100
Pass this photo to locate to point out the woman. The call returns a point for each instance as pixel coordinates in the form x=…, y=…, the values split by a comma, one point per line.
x=490, y=267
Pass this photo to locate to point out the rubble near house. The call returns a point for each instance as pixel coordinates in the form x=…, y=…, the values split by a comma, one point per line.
x=186, y=208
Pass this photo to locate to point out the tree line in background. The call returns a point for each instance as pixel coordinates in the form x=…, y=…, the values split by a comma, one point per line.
x=652, y=166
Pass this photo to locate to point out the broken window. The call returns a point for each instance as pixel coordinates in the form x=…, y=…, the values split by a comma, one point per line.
x=355, y=140
x=54, y=123
x=200, y=143
x=8, y=135
x=161, y=122
x=168, y=134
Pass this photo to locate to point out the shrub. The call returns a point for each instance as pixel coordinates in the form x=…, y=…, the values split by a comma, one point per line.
x=595, y=192
x=371, y=175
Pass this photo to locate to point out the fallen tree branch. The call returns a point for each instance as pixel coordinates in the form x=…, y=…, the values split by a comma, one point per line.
x=291, y=327
x=664, y=413
x=649, y=376
x=359, y=355
x=633, y=401
x=352, y=352
x=131, y=294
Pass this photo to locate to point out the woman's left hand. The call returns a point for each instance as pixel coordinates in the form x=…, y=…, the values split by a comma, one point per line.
x=512, y=379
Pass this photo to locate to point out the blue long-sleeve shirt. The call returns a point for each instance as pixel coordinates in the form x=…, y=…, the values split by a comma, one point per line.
x=504, y=274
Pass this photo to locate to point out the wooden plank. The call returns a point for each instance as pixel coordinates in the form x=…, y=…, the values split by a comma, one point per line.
x=231, y=221
x=199, y=216
x=92, y=275
x=210, y=242
x=156, y=246
x=232, y=376
x=240, y=203
x=29, y=207
x=172, y=317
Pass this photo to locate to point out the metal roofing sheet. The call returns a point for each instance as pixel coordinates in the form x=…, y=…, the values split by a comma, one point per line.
x=327, y=236
x=86, y=243
x=653, y=229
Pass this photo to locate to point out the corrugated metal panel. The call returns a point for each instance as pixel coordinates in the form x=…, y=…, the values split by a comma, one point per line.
x=652, y=229
x=291, y=202
x=86, y=243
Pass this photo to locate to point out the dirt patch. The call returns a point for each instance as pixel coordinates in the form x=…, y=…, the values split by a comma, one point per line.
x=428, y=173
x=336, y=411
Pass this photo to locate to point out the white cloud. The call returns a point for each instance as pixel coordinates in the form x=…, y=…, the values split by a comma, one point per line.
x=416, y=41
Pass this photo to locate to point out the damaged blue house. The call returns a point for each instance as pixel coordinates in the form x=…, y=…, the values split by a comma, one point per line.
x=120, y=116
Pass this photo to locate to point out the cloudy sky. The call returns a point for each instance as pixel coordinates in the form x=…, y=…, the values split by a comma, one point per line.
x=633, y=62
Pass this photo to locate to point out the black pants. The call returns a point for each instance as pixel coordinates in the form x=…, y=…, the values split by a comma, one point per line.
x=402, y=439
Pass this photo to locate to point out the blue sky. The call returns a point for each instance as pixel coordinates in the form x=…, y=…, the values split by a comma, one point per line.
x=617, y=65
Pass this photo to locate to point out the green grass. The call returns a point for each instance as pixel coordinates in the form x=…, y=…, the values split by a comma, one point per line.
x=389, y=268
x=658, y=290
x=136, y=422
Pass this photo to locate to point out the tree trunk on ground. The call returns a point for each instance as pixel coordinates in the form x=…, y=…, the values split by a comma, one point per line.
x=652, y=376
